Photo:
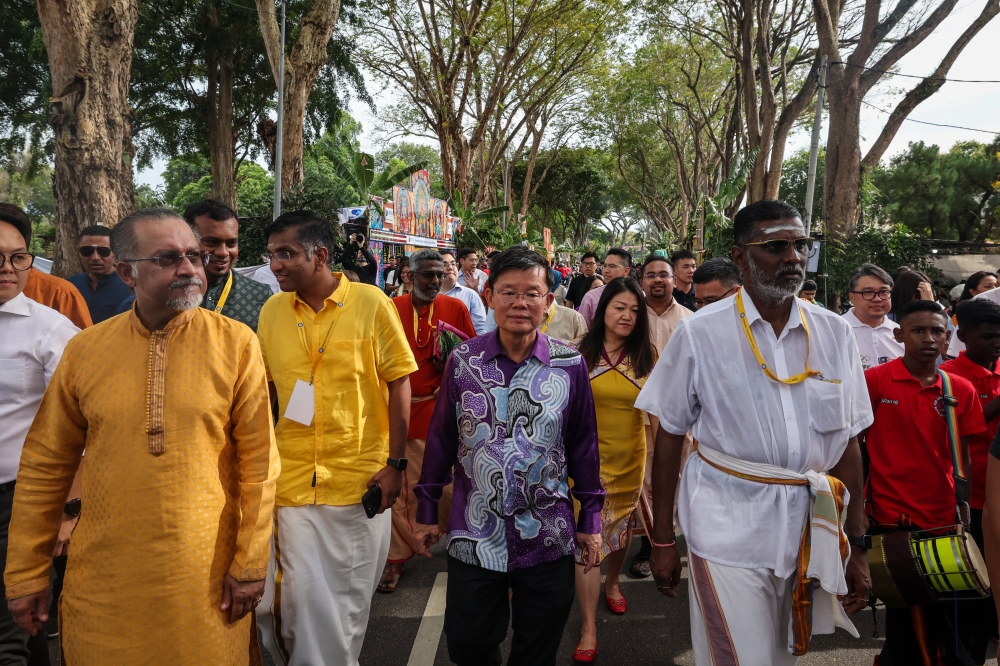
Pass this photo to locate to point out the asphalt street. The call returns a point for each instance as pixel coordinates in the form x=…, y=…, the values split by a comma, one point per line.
x=405, y=627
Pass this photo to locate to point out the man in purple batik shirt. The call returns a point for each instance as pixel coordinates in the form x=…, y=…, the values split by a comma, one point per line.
x=515, y=419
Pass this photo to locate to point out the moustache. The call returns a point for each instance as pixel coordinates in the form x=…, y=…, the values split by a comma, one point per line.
x=184, y=282
x=791, y=270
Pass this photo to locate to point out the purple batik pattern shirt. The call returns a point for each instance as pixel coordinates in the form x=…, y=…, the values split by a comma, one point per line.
x=515, y=433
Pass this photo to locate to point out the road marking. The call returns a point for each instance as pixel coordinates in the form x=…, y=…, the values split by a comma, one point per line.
x=425, y=645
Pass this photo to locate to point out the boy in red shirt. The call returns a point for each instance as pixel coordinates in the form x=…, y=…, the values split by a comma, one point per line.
x=979, y=329
x=910, y=472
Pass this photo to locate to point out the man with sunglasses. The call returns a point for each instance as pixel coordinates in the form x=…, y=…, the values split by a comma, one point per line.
x=424, y=312
x=870, y=292
x=100, y=285
x=170, y=403
x=32, y=342
x=773, y=391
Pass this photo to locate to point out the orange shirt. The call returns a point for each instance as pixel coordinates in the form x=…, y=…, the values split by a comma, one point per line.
x=60, y=295
x=426, y=380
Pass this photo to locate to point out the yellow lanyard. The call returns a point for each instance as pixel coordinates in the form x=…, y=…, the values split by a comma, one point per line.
x=316, y=360
x=225, y=293
x=548, y=319
x=797, y=379
x=416, y=327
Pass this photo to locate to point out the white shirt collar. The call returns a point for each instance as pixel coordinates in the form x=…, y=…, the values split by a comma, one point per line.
x=857, y=323
x=17, y=305
x=753, y=314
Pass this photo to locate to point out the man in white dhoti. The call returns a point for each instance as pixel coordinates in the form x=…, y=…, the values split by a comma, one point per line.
x=772, y=389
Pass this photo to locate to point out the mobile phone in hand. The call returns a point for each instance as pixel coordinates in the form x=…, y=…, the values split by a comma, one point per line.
x=372, y=501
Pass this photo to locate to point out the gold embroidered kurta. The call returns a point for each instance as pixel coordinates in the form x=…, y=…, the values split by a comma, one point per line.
x=178, y=489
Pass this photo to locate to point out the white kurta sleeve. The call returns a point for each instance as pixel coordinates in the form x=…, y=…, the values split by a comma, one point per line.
x=669, y=393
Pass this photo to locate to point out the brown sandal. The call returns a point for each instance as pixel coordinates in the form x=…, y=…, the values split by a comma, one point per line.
x=390, y=578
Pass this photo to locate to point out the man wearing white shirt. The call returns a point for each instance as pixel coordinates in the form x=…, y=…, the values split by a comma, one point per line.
x=617, y=263
x=870, y=290
x=773, y=391
x=450, y=287
x=32, y=339
x=471, y=276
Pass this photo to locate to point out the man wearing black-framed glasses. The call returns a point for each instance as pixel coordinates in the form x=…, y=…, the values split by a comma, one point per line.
x=99, y=283
x=870, y=292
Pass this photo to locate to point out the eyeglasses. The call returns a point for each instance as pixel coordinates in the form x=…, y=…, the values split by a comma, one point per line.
x=175, y=259
x=511, y=297
x=430, y=275
x=778, y=247
x=613, y=266
x=449, y=264
x=19, y=261
x=702, y=302
x=869, y=295
x=87, y=250
x=280, y=255
x=662, y=276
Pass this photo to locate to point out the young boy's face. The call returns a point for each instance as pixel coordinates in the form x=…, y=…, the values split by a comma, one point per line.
x=923, y=335
x=982, y=343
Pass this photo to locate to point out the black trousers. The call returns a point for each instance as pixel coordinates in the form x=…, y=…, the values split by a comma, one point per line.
x=977, y=619
x=14, y=641
x=479, y=608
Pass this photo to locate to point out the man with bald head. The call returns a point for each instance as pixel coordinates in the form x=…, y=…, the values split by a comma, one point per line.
x=171, y=550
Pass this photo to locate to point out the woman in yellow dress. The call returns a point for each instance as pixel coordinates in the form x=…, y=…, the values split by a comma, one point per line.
x=620, y=355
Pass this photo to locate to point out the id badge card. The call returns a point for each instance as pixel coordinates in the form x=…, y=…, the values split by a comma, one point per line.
x=302, y=405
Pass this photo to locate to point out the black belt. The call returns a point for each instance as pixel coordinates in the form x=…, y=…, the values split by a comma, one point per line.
x=7, y=487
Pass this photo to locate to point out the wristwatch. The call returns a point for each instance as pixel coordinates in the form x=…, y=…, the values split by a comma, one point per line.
x=864, y=541
x=73, y=507
x=398, y=463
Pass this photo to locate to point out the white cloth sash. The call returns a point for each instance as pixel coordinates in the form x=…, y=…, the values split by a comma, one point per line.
x=825, y=564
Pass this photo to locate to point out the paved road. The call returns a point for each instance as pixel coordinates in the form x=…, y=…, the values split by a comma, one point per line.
x=655, y=631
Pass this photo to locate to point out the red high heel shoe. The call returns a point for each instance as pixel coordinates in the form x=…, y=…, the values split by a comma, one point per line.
x=585, y=656
x=617, y=606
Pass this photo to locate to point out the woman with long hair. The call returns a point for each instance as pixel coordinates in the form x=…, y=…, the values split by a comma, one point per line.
x=910, y=286
x=619, y=355
x=977, y=284
x=405, y=279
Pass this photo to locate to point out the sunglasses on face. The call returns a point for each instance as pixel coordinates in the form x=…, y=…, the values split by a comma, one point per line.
x=778, y=247
x=87, y=250
x=430, y=275
x=176, y=259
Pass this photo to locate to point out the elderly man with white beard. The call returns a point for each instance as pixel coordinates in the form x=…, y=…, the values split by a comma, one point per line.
x=170, y=402
x=773, y=391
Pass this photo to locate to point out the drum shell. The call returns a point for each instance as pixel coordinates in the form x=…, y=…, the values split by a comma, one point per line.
x=896, y=576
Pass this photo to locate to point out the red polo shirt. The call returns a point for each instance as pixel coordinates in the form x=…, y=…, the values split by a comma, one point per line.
x=987, y=385
x=910, y=470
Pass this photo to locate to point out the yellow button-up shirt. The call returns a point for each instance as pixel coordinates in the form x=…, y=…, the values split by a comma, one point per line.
x=331, y=460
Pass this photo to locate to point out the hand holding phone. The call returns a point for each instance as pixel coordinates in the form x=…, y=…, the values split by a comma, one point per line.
x=372, y=501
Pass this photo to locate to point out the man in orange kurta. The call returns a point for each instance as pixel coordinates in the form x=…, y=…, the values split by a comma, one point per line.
x=171, y=550
x=421, y=312
x=60, y=295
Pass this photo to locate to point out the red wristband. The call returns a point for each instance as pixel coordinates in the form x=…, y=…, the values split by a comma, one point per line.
x=664, y=545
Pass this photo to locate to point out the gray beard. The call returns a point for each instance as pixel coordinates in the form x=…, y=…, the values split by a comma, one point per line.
x=188, y=301
x=766, y=286
x=422, y=295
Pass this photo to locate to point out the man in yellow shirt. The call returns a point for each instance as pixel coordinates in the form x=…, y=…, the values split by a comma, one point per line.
x=171, y=550
x=339, y=361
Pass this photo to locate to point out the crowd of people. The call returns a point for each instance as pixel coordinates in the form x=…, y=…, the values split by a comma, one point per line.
x=232, y=461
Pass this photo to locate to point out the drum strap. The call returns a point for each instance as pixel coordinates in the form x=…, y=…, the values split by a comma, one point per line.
x=955, y=444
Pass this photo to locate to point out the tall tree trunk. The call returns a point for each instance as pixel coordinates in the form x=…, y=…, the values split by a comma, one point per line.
x=221, y=139
x=842, y=170
x=89, y=44
x=303, y=62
